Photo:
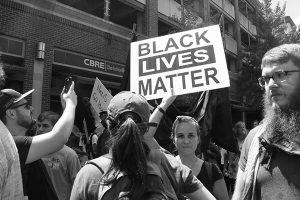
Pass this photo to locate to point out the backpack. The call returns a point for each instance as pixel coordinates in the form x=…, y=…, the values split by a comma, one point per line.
x=119, y=189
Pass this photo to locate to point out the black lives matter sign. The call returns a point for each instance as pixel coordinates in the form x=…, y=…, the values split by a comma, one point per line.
x=188, y=62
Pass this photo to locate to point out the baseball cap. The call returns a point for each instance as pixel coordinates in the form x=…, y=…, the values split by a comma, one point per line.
x=9, y=97
x=127, y=101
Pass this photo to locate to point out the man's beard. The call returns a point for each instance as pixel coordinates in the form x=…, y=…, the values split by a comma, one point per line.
x=25, y=121
x=281, y=123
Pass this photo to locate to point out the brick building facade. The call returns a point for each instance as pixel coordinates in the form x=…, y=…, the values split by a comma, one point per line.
x=88, y=39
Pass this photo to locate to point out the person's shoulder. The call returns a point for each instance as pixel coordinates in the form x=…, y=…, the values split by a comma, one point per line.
x=90, y=172
x=87, y=182
x=172, y=164
x=170, y=159
x=68, y=150
x=216, y=172
x=102, y=162
x=23, y=140
x=251, y=135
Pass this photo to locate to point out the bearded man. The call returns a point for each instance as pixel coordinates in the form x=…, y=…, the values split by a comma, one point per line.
x=16, y=115
x=270, y=158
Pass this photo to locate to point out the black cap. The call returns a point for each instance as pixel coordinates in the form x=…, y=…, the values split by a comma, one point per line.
x=9, y=97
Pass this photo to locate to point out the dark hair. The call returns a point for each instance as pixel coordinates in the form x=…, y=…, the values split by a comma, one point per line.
x=49, y=115
x=282, y=54
x=128, y=151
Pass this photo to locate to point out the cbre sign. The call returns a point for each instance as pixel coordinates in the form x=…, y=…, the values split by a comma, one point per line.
x=63, y=57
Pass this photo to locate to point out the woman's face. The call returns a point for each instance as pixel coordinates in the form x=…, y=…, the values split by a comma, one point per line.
x=185, y=138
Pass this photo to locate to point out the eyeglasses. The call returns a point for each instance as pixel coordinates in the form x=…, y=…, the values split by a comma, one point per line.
x=278, y=76
x=27, y=106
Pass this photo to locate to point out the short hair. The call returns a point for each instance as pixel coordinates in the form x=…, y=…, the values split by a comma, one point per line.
x=49, y=115
x=282, y=54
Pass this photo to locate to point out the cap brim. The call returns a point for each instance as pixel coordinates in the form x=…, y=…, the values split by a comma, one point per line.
x=24, y=95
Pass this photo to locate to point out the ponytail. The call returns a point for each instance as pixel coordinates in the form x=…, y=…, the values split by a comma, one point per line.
x=128, y=153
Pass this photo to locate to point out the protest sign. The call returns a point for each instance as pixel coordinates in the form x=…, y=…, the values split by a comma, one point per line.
x=188, y=62
x=100, y=96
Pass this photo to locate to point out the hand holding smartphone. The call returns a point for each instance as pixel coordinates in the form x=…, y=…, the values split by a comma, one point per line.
x=68, y=83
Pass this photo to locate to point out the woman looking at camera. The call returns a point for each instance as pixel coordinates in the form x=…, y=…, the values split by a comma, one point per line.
x=186, y=135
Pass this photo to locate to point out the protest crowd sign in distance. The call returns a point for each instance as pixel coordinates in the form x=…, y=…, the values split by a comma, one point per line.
x=100, y=96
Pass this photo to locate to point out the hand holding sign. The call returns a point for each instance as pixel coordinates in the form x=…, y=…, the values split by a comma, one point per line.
x=168, y=99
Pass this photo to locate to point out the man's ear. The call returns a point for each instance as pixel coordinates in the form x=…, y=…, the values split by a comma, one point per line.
x=10, y=113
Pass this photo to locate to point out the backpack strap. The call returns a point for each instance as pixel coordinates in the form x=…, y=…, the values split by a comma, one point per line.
x=96, y=165
x=103, y=163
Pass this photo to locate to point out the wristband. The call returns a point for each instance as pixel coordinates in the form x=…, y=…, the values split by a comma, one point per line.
x=161, y=110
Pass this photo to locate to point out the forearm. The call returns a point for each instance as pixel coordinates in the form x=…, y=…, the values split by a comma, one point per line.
x=54, y=140
x=157, y=115
x=62, y=129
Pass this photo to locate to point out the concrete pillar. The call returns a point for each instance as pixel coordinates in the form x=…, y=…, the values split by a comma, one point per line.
x=237, y=34
x=38, y=73
x=152, y=17
x=140, y=23
x=204, y=9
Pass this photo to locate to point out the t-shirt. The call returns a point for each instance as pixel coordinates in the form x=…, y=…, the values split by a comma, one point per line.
x=23, y=144
x=36, y=182
x=62, y=167
x=203, y=175
x=10, y=172
x=86, y=185
x=278, y=175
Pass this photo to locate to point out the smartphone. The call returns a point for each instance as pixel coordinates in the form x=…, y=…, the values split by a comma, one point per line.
x=68, y=83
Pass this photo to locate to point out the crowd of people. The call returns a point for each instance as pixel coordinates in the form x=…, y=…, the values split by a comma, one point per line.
x=47, y=157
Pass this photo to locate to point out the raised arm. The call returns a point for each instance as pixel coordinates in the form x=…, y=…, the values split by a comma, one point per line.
x=155, y=117
x=54, y=140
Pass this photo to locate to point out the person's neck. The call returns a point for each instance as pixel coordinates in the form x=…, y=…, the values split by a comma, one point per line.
x=188, y=160
x=16, y=130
